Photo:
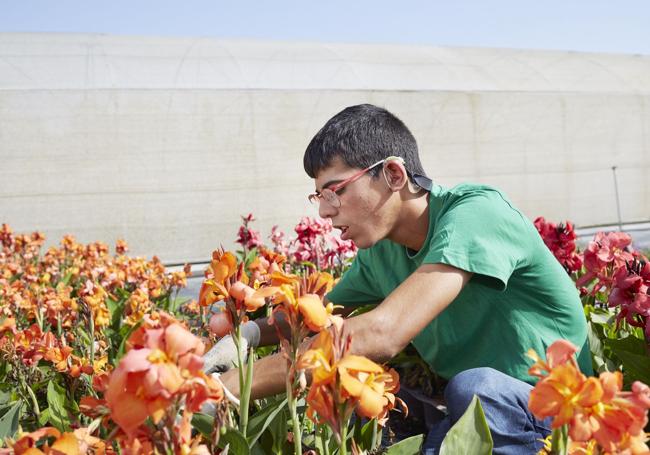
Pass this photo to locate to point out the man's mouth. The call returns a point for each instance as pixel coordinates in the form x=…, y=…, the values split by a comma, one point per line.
x=344, y=231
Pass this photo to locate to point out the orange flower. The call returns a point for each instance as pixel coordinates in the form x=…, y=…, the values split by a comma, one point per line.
x=315, y=315
x=166, y=367
x=560, y=352
x=76, y=443
x=339, y=378
x=301, y=299
x=211, y=292
x=95, y=297
x=222, y=275
x=563, y=394
x=593, y=408
x=136, y=306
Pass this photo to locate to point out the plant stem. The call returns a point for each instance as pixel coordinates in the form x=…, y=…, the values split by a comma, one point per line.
x=91, y=324
x=373, y=443
x=293, y=412
x=560, y=440
x=324, y=439
x=292, y=400
x=343, y=450
x=244, y=381
x=30, y=392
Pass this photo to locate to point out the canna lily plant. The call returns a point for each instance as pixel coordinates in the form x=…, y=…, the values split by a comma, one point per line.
x=343, y=383
x=160, y=375
x=587, y=413
x=297, y=302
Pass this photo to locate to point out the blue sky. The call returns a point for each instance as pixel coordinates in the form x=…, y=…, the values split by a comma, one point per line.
x=582, y=25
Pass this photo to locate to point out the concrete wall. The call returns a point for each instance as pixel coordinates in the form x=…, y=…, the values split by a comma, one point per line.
x=166, y=141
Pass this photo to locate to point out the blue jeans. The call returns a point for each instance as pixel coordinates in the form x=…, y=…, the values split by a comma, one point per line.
x=505, y=403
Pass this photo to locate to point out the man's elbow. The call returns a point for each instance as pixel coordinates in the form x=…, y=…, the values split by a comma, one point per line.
x=389, y=341
x=389, y=351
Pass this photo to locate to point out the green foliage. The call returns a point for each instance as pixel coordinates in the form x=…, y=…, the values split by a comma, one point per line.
x=235, y=441
x=368, y=435
x=56, y=400
x=408, y=446
x=560, y=441
x=470, y=435
x=267, y=417
x=632, y=353
x=10, y=420
x=203, y=423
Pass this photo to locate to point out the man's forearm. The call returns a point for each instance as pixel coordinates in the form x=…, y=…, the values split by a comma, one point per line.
x=269, y=332
x=268, y=379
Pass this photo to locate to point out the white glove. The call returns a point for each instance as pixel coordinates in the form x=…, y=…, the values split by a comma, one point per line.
x=210, y=407
x=223, y=355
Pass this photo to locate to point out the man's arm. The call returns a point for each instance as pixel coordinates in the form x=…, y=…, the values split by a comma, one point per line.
x=380, y=333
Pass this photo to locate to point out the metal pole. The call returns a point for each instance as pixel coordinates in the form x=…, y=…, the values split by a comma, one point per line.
x=618, y=201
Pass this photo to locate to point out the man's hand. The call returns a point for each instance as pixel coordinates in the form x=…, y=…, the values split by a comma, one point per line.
x=223, y=355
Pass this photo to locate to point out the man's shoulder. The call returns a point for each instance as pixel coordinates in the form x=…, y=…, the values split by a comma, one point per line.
x=474, y=198
x=473, y=189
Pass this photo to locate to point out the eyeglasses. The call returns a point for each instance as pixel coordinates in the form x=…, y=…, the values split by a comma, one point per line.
x=331, y=194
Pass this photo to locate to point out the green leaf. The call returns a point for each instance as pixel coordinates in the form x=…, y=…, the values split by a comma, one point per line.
x=278, y=429
x=257, y=450
x=366, y=434
x=635, y=367
x=204, y=423
x=250, y=256
x=262, y=419
x=10, y=420
x=44, y=417
x=56, y=398
x=66, y=278
x=5, y=397
x=235, y=441
x=408, y=446
x=601, y=317
x=560, y=440
x=125, y=336
x=630, y=344
x=116, y=310
x=470, y=434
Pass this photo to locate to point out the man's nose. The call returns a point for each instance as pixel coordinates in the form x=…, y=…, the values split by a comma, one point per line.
x=325, y=209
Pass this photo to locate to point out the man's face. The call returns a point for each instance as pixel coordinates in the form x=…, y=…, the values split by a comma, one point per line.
x=364, y=215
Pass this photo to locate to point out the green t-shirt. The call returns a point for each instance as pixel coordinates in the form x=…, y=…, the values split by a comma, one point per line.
x=519, y=297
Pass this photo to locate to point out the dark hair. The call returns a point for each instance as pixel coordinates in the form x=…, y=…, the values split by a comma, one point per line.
x=362, y=135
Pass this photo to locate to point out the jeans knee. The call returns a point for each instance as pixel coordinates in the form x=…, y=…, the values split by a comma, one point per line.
x=482, y=382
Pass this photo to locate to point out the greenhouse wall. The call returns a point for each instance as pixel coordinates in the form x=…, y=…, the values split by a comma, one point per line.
x=165, y=142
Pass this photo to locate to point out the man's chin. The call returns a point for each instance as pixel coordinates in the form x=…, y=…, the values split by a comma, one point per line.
x=363, y=244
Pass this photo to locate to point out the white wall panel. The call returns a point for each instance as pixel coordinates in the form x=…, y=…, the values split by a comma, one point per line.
x=166, y=142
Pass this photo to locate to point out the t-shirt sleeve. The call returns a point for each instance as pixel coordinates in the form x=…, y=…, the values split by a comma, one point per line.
x=357, y=285
x=483, y=234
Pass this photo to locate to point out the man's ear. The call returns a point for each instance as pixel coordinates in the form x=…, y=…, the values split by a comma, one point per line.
x=395, y=175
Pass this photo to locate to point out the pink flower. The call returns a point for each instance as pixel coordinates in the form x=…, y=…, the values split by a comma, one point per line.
x=277, y=239
x=247, y=237
x=560, y=239
x=605, y=253
x=631, y=284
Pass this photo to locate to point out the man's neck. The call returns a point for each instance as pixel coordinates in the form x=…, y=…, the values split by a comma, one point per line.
x=413, y=222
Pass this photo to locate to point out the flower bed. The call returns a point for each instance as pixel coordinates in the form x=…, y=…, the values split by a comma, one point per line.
x=99, y=355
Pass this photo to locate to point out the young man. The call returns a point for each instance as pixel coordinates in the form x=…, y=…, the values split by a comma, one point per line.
x=460, y=273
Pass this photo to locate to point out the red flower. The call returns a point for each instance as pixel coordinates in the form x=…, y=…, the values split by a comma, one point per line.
x=561, y=240
x=631, y=284
x=605, y=253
